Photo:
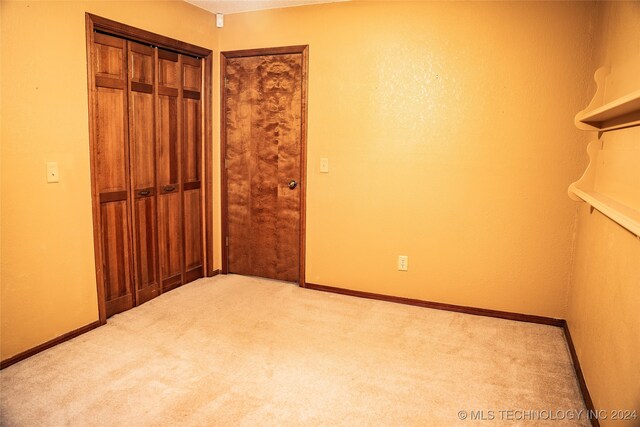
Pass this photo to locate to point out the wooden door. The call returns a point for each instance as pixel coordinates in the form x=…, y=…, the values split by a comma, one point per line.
x=191, y=167
x=150, y=124
x=111, y=171
x=264, y=98
x=142, y=143
x=168, y=169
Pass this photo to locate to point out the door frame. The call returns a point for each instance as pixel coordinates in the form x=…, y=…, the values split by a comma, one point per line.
x=224, y=211
x=97, y=23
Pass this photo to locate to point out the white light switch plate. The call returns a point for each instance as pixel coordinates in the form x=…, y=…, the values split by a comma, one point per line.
x=52, y=172
x=324, y=165
x=403, y=263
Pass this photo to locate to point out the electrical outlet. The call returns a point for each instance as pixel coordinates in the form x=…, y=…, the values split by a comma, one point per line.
x=403, y=263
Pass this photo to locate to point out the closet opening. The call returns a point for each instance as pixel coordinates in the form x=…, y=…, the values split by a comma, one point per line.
x=150, y=136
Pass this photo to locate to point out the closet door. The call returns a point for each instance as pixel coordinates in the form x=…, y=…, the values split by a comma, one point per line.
x=111, y=176
x=191, y=166
x=169, y=170
x=142, y=87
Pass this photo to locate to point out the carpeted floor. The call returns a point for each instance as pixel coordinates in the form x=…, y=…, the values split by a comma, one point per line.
x=233, y=350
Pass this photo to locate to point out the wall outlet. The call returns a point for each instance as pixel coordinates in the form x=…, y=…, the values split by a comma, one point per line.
x=403, y=263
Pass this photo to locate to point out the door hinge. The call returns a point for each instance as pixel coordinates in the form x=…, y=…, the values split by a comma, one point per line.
x=226, y=163
x=227, y=241
x=226, y=82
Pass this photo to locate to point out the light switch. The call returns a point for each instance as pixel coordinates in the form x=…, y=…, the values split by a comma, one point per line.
x=324, y=165
x=52, y=172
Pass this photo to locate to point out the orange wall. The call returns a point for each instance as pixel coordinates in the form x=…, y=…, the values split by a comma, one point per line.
x=604, y=301
x=449, y=131
x=48, y=284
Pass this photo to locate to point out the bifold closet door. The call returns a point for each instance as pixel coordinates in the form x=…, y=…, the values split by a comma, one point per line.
x=168, y=170
x=191, y=166
x=111, y=170
x=147, y=169
x=142, y=143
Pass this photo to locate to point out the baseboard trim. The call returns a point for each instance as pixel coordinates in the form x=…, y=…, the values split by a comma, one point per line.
x=588, y=402
x=442, y=306
x=59, y=340
x=44, y=346
x=560, y=323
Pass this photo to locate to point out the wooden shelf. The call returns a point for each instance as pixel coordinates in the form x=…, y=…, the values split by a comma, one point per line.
x=627, y=217
x=620, y=113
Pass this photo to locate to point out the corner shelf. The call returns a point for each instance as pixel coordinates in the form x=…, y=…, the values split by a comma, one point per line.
x=621, y=113
x=622, y=214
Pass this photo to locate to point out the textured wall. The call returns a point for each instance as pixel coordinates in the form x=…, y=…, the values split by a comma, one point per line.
x=449, y=130
x=48, y=276
x=604, y=302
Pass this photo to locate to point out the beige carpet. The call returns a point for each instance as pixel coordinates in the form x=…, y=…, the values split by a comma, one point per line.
x=232, y=350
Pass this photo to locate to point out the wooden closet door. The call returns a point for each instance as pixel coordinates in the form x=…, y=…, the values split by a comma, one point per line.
x=142, y=87
x=263, y=99
x=169, y=170
x=111, y=176
x=191, y=167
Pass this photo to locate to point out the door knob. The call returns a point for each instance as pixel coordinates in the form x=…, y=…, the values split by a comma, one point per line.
x=292, y=184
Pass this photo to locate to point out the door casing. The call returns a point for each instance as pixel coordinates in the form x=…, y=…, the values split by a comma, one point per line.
x=285, y=50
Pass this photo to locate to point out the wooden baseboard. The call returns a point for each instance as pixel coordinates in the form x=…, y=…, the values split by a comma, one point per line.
x=44, y=346
x=441, y=306
x=58, y=340
x=588, y=402
x=560, y=323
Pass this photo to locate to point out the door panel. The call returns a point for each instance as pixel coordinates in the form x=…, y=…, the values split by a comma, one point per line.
x=169, y=150
x=170, y=236
x=142, y=154
x=263, y=99
x=192, y=73
x=116, y=263
x=141, y=63
x=190, y=156
x=146, y=252
x=112, y=171
x=193, y=237
x=142, y=140
x=111, y=140
x=109, y=57
x=191, y=139
x=170, y=230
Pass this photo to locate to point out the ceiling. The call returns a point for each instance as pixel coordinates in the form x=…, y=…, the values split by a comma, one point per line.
x=237, y=6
